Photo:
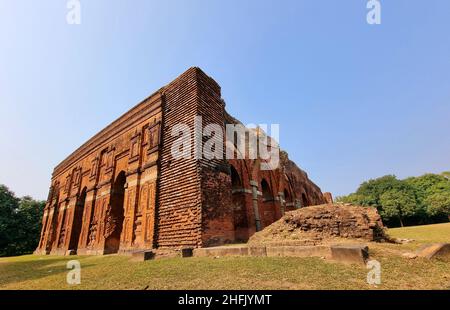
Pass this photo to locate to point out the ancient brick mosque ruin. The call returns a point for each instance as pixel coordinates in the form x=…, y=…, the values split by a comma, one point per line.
x=121, y=191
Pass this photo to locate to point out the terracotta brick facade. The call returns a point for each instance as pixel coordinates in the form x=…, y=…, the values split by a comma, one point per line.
x=122, y=190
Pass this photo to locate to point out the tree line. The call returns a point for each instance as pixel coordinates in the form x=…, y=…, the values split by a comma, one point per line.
x=20, y=223
x=411, y=201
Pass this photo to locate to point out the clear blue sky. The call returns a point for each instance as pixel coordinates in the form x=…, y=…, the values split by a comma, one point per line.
x=353, y=101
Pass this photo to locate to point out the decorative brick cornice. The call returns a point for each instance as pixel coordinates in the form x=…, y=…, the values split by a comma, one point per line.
x=133, y=171
x=103, y=183
x=149, y=164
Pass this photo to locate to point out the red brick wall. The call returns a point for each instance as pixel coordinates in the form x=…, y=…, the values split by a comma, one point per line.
x=217, y=210
x=179, y=199
x=194, y=195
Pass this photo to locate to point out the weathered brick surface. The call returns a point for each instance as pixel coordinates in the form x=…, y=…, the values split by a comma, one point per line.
x=179, y=199
x=123, y=191
x=324, y=223
x=351, y=254
x=328, y=197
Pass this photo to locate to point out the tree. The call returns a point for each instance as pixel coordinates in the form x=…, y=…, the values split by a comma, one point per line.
x=429, y=192
x=423, y=185
x=8, y=208
x=438, y=199
x=399, y=203
x=438, y=204
x=20, y=223
x=353, y=198
x=369, y=192
x=29, y=217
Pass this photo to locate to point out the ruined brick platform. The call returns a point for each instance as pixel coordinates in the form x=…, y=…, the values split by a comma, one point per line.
x=328, y=223
x=269, y=251
x=344, y=253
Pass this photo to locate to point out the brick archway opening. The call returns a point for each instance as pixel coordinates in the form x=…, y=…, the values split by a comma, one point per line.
x=268, y=214
x=304, y=200
x=287, y=196
x=289, y=206
x=241, y=233
x=266, y=191
x=77, y=221
x=114, y=221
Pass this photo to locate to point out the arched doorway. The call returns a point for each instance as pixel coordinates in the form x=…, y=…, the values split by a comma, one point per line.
x=304, y=200
x=236, y=182
x=289, y=206
x=287, y=196
x=266, y=192
x=115, y=216
x=239, y=208
x=77, y=221
x=268, y=215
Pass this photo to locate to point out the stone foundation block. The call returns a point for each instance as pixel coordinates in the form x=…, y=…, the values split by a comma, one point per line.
x=187, y=252
x=71, y=252
x=434, y=250
x=141, y=256
x=298, y=251
x=257, y=251
x=351, y=254
x=221, y=251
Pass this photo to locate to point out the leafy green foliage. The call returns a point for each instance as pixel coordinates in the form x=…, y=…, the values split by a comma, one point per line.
x=20, y=223
x=8, y=207
x=399, y=203
x=438, y=203
x=420, y=200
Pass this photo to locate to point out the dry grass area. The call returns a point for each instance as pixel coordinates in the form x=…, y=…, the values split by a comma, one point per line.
x=118, y=272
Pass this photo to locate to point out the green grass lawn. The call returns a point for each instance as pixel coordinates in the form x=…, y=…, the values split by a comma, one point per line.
x=118, y=272
x=423, y=234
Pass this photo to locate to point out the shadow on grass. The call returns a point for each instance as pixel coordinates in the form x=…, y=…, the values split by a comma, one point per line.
x=35, y=268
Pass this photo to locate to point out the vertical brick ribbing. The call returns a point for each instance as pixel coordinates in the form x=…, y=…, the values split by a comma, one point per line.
x=179, y=196
x=217, y=209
